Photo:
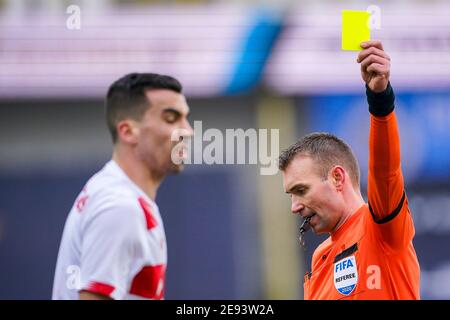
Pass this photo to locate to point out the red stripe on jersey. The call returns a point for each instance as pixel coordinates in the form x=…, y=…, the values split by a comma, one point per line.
x=151, y=221
x=81, y=202
x=149, y=282
x=100, y=288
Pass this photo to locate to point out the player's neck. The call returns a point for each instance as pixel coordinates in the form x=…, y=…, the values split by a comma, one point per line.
x=137, y=172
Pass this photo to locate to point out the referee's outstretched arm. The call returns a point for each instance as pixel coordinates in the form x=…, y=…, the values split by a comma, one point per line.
x=386, y=192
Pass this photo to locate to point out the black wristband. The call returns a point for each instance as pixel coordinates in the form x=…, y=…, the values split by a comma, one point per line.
x=381, y=103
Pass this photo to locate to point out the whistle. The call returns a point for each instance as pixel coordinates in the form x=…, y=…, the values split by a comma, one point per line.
x=305, y=227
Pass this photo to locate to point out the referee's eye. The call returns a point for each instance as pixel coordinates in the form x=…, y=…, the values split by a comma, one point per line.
x=300, y=191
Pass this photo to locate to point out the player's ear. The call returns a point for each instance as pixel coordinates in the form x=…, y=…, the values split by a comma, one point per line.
x=127, y=131
x=338, y=177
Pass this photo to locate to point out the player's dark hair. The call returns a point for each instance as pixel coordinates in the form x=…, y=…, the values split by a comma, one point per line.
x=127, y=98
x=327, y=151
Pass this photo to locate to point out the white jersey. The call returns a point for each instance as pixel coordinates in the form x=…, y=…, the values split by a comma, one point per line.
x=113, y=241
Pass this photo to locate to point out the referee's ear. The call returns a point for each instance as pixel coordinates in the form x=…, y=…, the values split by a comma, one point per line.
x=338, y=177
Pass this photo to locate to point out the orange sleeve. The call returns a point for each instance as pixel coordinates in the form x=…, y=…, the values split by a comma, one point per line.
x=388, y=203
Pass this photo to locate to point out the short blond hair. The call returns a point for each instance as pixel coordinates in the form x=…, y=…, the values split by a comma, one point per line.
x=327, y=151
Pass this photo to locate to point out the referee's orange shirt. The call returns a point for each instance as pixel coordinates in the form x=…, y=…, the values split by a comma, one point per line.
x=371, y=256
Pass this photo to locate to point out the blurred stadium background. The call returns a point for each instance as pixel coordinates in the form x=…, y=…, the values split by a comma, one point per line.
x=244, y=64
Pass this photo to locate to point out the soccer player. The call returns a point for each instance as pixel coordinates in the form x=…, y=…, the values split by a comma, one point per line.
x=113, y=245
x=369, y=253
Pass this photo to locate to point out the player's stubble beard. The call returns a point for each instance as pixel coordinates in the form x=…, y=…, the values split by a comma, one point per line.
x=176, y=168
x=182, y=154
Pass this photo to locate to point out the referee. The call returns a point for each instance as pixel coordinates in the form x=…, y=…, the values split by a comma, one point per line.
x=369, y=253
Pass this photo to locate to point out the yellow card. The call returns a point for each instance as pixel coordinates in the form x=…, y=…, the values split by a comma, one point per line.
x=355, y=29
